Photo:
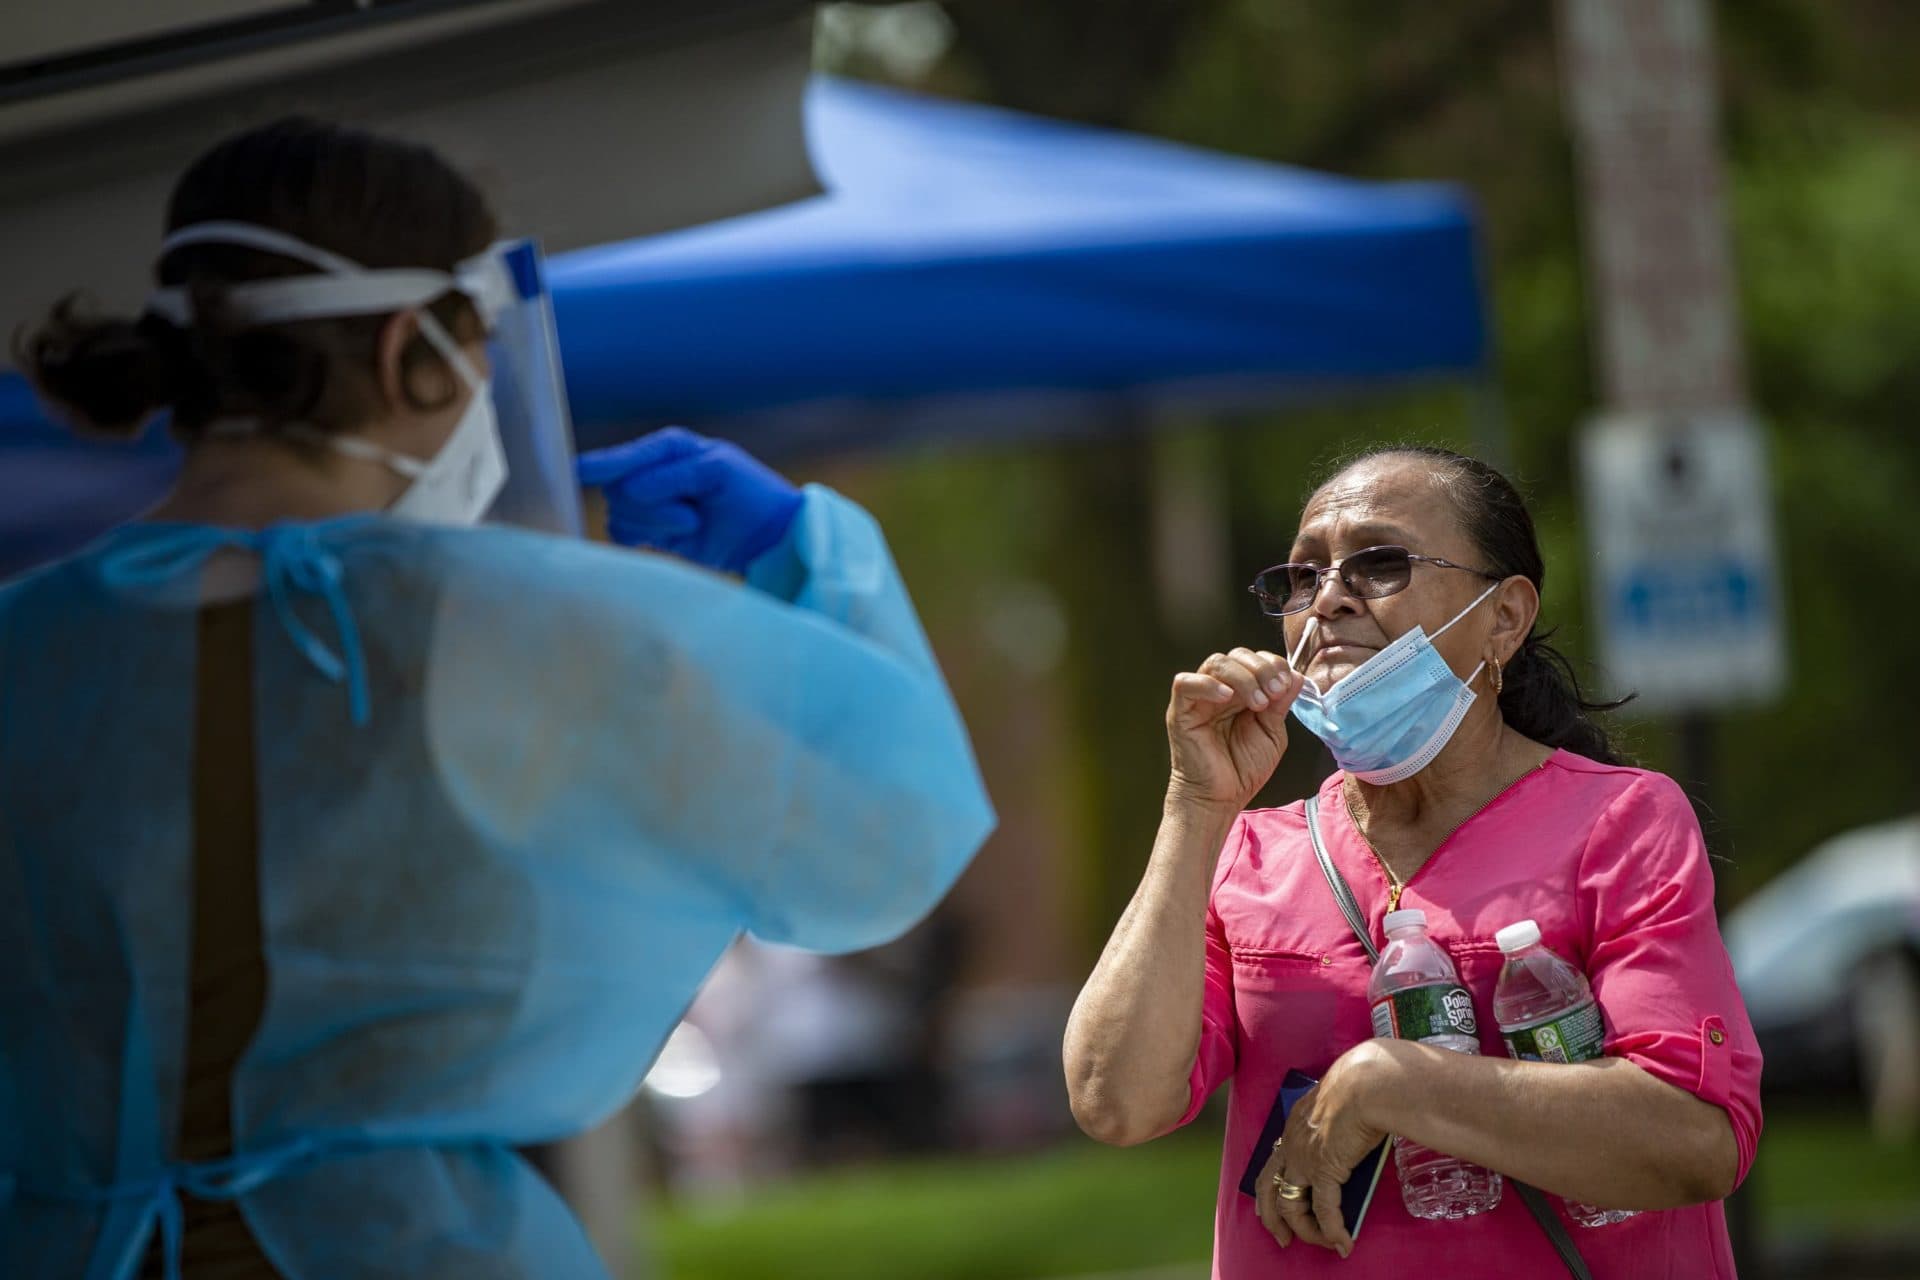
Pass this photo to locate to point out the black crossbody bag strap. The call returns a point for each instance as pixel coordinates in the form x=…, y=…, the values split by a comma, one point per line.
x=1350, y=908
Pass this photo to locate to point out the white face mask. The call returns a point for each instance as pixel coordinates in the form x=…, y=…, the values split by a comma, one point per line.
x=460, y=482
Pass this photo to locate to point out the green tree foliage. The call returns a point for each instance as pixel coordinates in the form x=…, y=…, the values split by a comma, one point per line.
x=1822, y=122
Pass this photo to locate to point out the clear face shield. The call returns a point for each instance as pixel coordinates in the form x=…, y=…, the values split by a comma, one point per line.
x=530, y=401
x=528, y=398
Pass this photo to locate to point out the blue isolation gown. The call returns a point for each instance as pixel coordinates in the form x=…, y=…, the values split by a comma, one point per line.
x=517, y=793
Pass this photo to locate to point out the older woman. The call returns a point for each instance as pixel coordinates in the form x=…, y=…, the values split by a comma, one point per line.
x=1485, y=796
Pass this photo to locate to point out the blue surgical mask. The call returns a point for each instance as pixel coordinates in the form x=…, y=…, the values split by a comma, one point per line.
x=1388, y=718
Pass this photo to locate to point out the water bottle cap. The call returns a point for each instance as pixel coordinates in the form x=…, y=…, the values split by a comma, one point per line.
x=1407, y=916
x=1518, y=936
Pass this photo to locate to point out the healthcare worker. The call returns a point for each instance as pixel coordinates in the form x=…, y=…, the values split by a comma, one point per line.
x=347, y=843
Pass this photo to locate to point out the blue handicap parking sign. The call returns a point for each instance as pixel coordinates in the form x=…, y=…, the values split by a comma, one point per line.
x=1691, y=599
x=1686, y=589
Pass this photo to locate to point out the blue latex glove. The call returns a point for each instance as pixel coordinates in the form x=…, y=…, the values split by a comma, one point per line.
x=705, y=500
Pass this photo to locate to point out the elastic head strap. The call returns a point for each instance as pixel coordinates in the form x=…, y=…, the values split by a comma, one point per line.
x=345, y=288
x=352, y=446
x=249, y=235
x=408, y=467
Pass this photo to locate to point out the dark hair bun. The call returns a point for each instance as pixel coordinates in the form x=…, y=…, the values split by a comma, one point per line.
x=378, y=201
x=106, y=375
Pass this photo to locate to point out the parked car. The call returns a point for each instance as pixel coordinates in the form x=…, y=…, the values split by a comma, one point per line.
x=1828, y=957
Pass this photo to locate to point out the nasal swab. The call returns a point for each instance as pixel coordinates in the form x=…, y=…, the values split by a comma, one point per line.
x=1313, y=625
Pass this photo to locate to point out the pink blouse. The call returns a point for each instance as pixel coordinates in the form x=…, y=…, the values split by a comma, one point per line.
x=1611, y=864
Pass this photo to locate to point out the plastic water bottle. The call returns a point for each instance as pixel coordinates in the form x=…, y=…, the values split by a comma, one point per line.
x=1416, y=995
x=1547, y=1013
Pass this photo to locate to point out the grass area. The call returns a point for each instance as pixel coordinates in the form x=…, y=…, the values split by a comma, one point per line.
x=1085, y=1208
x=1080, y=1208
x=1819, y=1169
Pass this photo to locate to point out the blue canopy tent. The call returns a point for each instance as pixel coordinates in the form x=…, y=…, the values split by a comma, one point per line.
x=965, y=254
x=962, y=255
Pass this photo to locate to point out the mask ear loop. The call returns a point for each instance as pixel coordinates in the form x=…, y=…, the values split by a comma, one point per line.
x=1478, y=601
x=1468, y=682
x=1313, y=627
x=437, y=336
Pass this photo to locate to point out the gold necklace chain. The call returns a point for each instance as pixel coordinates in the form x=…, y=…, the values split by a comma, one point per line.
x=1395, y=885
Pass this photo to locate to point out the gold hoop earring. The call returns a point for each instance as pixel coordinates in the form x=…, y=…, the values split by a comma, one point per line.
x=1499, y=680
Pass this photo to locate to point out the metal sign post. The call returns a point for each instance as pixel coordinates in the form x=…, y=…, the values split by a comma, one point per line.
x=1674, y=473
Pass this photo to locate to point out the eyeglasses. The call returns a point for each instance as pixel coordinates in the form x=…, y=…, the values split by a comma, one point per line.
x=1372, y=574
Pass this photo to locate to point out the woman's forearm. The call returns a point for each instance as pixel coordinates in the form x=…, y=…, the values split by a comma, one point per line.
x=1603, y=1132
x=1135, y=1030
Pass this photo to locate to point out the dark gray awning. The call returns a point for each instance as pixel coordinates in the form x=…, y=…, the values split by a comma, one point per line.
x=586, y=120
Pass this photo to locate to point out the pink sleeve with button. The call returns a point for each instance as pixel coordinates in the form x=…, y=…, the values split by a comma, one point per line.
x=1216, y=1058
x=1658, y=965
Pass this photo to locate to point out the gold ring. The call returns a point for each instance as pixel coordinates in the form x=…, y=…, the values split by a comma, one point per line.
x=1287, y=1191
